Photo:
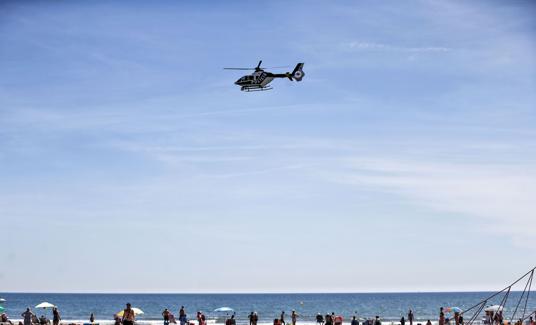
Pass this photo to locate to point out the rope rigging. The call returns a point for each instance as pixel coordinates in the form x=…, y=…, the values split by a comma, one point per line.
x=524, y=298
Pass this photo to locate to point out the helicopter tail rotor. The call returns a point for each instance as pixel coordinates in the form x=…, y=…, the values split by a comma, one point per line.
x=298, y=73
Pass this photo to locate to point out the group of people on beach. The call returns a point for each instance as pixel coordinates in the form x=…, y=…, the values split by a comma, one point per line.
x=128, y=317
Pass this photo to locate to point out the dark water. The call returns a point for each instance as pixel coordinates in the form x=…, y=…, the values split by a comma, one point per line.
x=390, y=306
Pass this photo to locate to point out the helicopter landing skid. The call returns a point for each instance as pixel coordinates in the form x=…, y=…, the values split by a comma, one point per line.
x=248, y=89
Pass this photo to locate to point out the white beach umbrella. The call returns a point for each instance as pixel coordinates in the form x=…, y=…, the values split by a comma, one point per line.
x=45, y=305
x=494, y=308
x=224, y=310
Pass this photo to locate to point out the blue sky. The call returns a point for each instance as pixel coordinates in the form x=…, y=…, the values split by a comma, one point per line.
x=404, y=161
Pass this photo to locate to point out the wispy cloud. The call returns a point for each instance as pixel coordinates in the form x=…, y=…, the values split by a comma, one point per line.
x=371, y=46
x=501, y=194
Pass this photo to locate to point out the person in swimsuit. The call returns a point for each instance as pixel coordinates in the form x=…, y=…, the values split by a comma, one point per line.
x=410, y=317
x=6, y=319
x=27, y=316
x=128, y=315
x=182, y=316
x=282, y=318
x=319, y=319
x=441, y=316
x=329, y=320
x=294, y=317
x=165, y=315
x=55, y=316
x=377, y=321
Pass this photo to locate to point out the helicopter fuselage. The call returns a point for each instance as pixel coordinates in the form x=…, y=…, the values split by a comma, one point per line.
x=257, y=80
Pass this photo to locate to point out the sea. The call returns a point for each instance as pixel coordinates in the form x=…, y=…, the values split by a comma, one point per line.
x=389, y=306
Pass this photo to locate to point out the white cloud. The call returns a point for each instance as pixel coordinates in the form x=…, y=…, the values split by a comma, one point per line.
x=386, y=47
x=502, y=195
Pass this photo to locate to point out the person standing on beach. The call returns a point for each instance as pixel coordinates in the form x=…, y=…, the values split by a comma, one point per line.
x=55, y=316
x=410, y=317
x=128, y=315
x=319, y=319
x=250, y=318
x=441, y=316
x=354, y=321
x=329, y=320
x=27, y=316
x=428, y=322
x=282, y=318
x=165, y=315
x=294, y=317
x=92, y=318
x=182, y=316
x=201, y=318
x=377, y=321
x=402, y=321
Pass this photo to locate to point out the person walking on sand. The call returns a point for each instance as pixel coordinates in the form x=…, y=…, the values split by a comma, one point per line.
x=294, y=317
x=128, y=315
x=27, y=316
x=165, y=315
x=55, y=316
x=410, y=317
x=282, y=318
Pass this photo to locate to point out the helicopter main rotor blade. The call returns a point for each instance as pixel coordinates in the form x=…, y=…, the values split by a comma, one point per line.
x=259, y=65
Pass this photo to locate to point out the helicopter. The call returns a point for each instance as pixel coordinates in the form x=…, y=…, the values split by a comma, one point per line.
x=259, y=80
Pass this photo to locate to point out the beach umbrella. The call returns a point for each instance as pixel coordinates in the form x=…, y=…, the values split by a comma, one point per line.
x=494, y=308
x=454, y=310
x=45, y=305
x=224, y=310
x=137, y=311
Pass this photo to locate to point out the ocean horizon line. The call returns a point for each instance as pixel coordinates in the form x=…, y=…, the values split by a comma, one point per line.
x=248, y=292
